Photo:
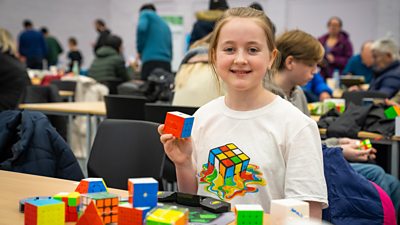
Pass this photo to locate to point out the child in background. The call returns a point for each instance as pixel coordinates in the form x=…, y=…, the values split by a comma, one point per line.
x=300, y=55
x=74, y=54
x=278, y=146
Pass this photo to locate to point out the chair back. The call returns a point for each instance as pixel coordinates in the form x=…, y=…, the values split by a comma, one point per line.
x=356, y=97
x=125, y=149
x=156, y=112
x=64, y=85
x=125, y=107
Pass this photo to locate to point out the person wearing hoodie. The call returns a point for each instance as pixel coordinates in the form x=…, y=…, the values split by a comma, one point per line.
x=206, y=19
x=109, y=64
x=338, y=48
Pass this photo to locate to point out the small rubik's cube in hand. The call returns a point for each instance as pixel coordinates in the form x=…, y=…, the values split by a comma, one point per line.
x=365, y=144
x=178, y=124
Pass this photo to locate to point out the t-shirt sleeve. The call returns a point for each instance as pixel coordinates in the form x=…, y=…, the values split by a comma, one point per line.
x=305, y=178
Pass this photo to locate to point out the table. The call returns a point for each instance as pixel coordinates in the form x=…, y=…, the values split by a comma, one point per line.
x=17, y=186
x=88, y=109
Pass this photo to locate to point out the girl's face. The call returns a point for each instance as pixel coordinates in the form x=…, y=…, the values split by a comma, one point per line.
x=300, y=73
x=242, y=55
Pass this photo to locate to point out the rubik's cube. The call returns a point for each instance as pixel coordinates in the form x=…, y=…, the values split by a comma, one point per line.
x=71, y=201
x=229, y=159
x=91, y=185
x=392, y=112
x=178, y=124
x=44, y=212
x=90, y=216
x=365, y=144
x=128, y=215
x=249, y=214
x=168, y=215
x=106, y=204
x=143, y=192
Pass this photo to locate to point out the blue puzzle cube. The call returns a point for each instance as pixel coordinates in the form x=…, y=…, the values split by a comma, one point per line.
x=143, y=192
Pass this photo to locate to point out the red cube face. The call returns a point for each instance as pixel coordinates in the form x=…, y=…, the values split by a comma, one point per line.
x=178, y=124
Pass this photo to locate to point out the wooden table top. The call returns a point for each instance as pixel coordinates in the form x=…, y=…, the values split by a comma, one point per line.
x=93, y=108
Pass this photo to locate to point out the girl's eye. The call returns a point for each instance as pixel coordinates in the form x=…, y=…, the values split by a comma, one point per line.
x=228, y=50
x=253, y=50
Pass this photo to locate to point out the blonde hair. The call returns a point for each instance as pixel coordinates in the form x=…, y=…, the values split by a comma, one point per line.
x=301, y=46
x=7, y=43
x=242, y=12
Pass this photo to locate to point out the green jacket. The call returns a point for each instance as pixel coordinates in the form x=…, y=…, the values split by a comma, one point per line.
x=53, y=50
x=108, y=65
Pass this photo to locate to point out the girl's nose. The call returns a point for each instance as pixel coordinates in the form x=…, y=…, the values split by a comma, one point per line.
x=240, y=58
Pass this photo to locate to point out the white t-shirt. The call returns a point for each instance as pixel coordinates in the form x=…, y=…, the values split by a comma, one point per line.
x=273, y=152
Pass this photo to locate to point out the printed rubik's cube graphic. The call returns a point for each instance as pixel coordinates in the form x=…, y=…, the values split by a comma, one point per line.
x=91, y=185
x=71, y=201
x=106, y=204
x=168, y=215
x=143, y=192
x=44, y=212
x=178, y=124
x=365, y=144
x=229, y=160
x=128, y=215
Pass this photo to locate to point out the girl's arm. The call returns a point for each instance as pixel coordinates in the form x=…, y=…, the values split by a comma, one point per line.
x=186, y=177
x=315, y=210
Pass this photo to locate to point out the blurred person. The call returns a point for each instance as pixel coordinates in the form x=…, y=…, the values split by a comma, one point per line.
x=103, y=31
x=317, y=89
x=206, y=19
x=258, y=6
x=32, y=46
x=361, y=64
x=338, y=48
x=74, y=54
x=13, y=75
x=153, y=41
x=54, y=48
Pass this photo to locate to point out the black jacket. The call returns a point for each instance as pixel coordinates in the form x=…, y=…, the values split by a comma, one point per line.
x=29, y=144
x=13, y=81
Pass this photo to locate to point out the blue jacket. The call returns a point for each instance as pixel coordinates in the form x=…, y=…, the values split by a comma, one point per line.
x=153, y=38
x=32, y=44
x=352, y=198
x=355, y=66
x=317, y=85
x=387, y=80
x=29, y=144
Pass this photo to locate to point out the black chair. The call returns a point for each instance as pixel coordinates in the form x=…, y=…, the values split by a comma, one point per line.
x=64, y=85
x=125, y=149
x=356, y=97
x=155, y=112
x=125, y=107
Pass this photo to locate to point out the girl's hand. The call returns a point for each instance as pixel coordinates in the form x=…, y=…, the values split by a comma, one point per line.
x=179, y=150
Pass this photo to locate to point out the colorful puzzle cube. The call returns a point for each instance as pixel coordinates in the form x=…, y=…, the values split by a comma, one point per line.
x=229, y=159
x=128, y=215
x=90, y=216
x=365, y=144
x=178, y=124
x=44, y=212
x=91, y=185
x=143, y=192
x=392, y=112
x=106, y=204
x=168, y=215
x=284, y=209
x=249, y=214
x=71, y=201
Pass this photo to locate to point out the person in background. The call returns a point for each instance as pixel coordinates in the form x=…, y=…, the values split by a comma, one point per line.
x=13, y=75
x=109, y=65
x=103, y=31
x=206, y=19
x=153, y=41
x=317, y=89
x=256, y=5
x=282, y=144
x=74, y=55
x=54, y=48
x=300, y=54
x=338, y=48
x=32, y=46
x=361, y=64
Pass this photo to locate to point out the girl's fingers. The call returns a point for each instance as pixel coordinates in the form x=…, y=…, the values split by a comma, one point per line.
x=161, y=129
x=166, y=137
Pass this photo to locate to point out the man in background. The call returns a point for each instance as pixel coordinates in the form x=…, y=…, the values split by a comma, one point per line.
x=103, y=31
x=361, y=64
x=32, y=46
x=54, y=48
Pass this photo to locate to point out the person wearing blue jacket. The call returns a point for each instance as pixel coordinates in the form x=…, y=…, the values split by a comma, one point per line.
x=32, y=46
x=153, y=41
x=361, y=64
x=316, y=89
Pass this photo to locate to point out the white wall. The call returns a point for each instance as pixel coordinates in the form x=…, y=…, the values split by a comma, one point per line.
x=363, y=19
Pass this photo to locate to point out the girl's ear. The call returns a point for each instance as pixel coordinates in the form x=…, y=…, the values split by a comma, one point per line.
x=273, y=58
x=289, y=61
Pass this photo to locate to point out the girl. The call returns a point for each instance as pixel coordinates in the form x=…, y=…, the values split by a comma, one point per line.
x=249, y=146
